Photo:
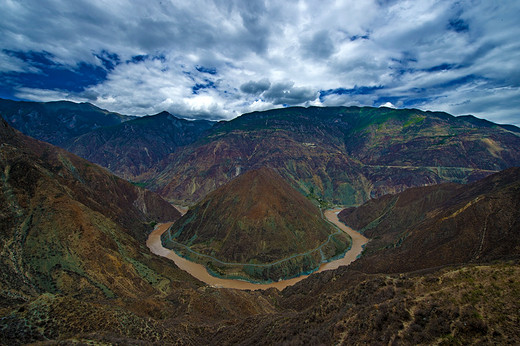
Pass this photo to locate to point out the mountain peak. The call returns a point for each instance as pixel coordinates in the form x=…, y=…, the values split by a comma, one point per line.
x=164, y=114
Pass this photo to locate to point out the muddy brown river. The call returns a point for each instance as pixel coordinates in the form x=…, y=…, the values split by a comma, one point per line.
x=199, y=271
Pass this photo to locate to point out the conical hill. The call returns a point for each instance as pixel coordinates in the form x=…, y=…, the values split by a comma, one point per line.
x=256, y=227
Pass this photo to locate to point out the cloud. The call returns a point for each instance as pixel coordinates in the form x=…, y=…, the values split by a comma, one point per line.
x=238, y=56
x=319, y=46
x=256, y=88
x=388, y=105
x=285, y=93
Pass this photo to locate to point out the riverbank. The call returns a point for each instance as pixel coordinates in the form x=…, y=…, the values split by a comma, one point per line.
x=201, y=273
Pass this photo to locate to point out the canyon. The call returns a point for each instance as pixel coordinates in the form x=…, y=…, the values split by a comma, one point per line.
x=436, y=195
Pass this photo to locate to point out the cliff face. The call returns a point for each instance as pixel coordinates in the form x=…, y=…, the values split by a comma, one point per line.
x=257, y=219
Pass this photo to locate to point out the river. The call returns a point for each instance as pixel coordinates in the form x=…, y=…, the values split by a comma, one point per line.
x=199, y=271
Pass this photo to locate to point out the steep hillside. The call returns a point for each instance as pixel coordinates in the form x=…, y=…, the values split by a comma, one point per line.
x=57, y=122
x=73, y=264
x=342, y=155
x=439, y=225
x=257, y=220
x=131, y=148
x=70, y=226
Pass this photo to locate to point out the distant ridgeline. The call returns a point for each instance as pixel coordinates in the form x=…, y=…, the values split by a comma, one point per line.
x=258, y=228
x=127, y=145
x=339, y=155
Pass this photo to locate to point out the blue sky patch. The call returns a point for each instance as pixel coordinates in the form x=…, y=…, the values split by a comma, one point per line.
x=51, y=75
x=199, y=86
x=109, y=60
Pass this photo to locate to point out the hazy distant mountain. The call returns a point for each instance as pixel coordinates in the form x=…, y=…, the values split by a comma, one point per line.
x=131, y=148
x=57, y=122
x=257, y=218
x=344, y=155
x=442, y=224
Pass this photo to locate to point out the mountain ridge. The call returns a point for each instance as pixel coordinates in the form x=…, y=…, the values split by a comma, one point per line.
x=343, y=155
x=131, y=148
x=58, y=121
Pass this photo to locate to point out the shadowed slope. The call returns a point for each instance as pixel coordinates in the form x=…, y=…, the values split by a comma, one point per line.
x=57, y=122
x=438, y=225
x=131, y=148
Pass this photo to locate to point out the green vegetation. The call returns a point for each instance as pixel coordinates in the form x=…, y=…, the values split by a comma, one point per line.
x=139, y=184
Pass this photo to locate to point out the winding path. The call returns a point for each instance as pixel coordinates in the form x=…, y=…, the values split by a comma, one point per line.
x=200, y=272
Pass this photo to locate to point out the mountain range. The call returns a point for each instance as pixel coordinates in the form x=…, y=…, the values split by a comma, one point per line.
x=57, y=122
x=339, y=155
x=441, y=266
x=343, y=155
x=127, y=145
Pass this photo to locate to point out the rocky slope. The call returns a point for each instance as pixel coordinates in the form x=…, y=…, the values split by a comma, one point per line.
x=57, y=122
x=260, y=220
x=73, y=265
x=133, y=147
x=60, y=213
x=439, y=225
x=343, y=155
x=452, y=306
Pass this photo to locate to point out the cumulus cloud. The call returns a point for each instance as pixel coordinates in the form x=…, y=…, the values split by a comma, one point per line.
x=239, y=56
x=388, y=105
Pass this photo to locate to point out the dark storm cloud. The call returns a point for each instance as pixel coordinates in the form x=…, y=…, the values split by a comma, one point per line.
x=255, y=88
x=220, y=58
x=284, y=93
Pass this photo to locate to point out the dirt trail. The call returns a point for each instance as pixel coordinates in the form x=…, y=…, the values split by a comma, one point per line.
x=200, y=272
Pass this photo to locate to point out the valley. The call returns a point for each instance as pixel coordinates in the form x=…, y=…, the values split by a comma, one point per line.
x=256, y=228
x=200, y=272
x=86, y=255
x=260, y=173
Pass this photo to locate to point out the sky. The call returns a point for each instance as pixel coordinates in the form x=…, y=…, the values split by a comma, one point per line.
x=218, y=59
